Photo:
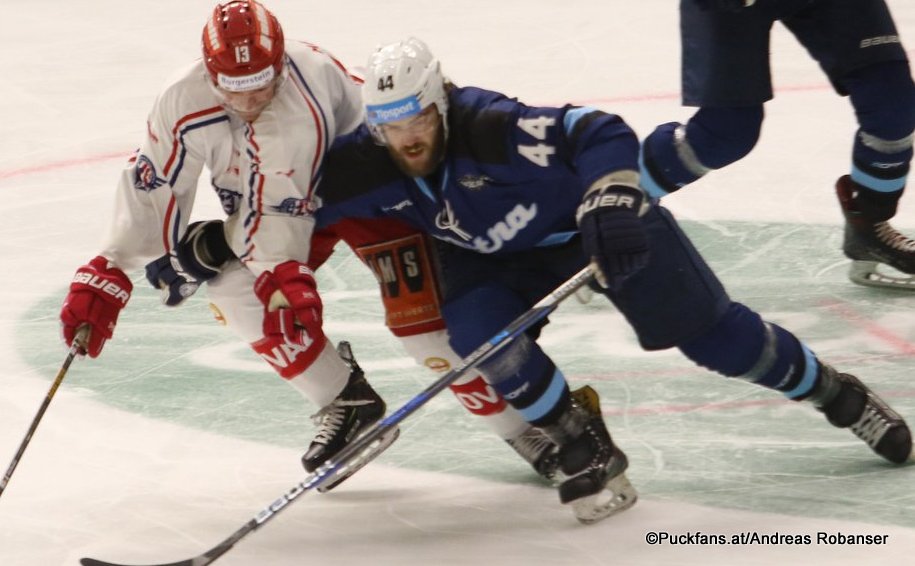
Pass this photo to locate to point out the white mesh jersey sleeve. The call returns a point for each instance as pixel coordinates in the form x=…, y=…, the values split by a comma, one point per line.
x=281, y=155
x=187, y=129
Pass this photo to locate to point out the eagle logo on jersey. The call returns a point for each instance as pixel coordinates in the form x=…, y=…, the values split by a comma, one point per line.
x=298, y=206
x=229, y=199
x=474, y=182
x=145, y=177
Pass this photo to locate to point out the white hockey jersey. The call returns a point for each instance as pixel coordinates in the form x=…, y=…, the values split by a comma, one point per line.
x=263, y=172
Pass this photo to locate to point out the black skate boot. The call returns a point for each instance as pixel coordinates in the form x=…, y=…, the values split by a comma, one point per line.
x=848, y=403
x=869, y=244
x=354, y=410
x=539, y=451
x=596, y=484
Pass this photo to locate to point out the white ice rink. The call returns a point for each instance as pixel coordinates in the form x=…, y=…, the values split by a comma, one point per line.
x=177, y=436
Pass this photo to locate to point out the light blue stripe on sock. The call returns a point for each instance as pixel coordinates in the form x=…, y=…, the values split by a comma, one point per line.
x=810, y=375
x=875, y=184
x=548, y=400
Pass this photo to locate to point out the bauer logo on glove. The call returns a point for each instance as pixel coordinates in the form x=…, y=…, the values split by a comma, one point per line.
x=612, y=233
x=102, y=284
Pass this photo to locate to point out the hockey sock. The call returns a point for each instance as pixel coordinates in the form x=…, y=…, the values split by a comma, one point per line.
x=529, y=381
x=431, y=349
x=884, y=100
x=744, y=346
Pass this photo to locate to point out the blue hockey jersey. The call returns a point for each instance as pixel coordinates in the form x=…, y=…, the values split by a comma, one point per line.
x=512, y=176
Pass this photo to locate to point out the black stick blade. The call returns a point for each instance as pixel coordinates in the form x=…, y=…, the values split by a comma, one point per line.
x=94, y=562
x=198, y=561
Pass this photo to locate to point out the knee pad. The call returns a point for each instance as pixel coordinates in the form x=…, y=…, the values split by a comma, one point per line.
x=468, y=330
x=431, y=349
x=733, y=346
x=883, y=97
x=721, y=136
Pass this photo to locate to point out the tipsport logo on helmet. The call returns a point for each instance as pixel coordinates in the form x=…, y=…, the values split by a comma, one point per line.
x=393, y=111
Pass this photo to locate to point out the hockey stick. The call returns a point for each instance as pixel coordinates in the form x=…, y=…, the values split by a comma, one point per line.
x=78, y=347
x=362, y=449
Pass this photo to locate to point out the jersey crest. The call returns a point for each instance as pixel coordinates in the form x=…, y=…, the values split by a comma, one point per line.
x=146, y=178
x=298, y=206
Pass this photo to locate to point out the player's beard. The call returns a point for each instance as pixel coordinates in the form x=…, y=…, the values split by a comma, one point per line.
x=432, y=156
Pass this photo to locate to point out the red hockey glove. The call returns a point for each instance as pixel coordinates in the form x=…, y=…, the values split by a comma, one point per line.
x=292, y=306
x=97, y=294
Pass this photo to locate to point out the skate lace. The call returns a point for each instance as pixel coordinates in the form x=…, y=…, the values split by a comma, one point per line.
x=331, y=418
x=872, y=425
x=531, y=445
x=892, y=238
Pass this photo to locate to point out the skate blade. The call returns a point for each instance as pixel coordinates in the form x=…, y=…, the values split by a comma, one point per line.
x=876, y=274
x=617, y=496
x=370, y=453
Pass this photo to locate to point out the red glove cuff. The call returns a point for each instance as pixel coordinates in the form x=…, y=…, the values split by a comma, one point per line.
x=264, y=287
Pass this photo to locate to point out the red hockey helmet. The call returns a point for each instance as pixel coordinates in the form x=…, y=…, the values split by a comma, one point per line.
x=243, y=46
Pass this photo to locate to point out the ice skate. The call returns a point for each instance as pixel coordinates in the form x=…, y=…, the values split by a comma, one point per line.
x=848, y=403
x=539, y=451
x=596, y=486
x=354, y=410
x=874, y=247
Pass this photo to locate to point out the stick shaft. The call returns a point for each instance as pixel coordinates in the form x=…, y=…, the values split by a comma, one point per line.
x=75, y=350
x=362, y=446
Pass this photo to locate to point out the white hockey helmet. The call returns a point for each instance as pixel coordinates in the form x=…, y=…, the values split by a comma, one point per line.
x=402, y=79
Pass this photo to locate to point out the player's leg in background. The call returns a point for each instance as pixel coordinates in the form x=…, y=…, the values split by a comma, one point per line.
x=725, y=72
x=858, y=46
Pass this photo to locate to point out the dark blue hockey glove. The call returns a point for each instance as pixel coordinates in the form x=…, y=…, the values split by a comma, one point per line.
x=197, y=258
x=612, y=232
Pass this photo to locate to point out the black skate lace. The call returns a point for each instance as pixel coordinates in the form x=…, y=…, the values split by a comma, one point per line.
x=331, y=418
x=871, y=426
x=892, y=238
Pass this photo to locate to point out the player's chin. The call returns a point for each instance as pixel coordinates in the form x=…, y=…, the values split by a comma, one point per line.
x=416, y=165
x=249, y=114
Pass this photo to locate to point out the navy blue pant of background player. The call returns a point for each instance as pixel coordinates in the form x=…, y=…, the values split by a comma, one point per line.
x=725, y=55
x=675, y=300
x=726, y=72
